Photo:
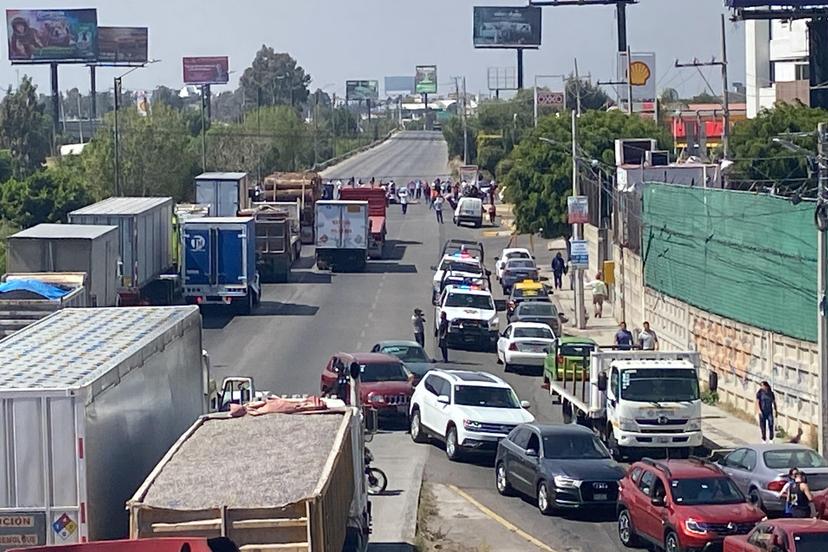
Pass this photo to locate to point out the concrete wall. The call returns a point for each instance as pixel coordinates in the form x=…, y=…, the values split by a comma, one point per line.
x=591, y=236
x=629, y=287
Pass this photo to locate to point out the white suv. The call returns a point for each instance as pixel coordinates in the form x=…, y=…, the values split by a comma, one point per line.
x=467, y=410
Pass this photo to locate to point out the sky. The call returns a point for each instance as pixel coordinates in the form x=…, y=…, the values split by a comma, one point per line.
x=335, y=40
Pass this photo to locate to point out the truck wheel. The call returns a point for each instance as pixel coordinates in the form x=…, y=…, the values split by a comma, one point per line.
x=618, y=452
x=322, y=264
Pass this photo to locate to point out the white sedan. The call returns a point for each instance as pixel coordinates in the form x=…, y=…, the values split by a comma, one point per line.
x=525, y=344
x=509, y=253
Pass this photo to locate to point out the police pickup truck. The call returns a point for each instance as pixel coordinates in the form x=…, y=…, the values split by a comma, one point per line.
x=471, y=313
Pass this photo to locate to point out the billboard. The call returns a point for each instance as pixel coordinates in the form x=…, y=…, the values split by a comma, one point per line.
x=425, y=79
x=774, y=3
x=399, y=84
x=123, y=45
x=507, y=27
x=46, y=36
x=206, y=70
x=642, y=76
x=361, y=90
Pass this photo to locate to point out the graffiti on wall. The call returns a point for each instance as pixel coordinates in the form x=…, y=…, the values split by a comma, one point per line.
x=722, y=348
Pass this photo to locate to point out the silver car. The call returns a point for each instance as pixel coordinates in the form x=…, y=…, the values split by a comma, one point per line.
x=762, y=470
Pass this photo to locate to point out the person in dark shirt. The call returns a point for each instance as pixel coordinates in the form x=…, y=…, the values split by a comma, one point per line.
x=766, y=409
x=623, y=337
x=558, y=270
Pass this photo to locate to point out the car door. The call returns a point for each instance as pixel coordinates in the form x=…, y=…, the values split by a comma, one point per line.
x=503, y=341
x=732, y=464
x=428, y=403
x=442, y=412
x=639, y=509
x=514, y=468
x=530, y=464
x=655, y=516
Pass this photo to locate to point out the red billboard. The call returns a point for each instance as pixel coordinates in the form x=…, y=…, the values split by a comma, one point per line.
x=206, y=70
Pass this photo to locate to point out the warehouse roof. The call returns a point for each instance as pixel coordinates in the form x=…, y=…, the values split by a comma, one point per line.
x=122, y=206
x=74, y=347
x=221, y=176
x=65, y=231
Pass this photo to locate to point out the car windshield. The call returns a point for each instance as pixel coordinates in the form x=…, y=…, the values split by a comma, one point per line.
x=562, y=447
x=708, y=490
x=518, y=255
x=470, y=300
x=544, y=333
x=537, y=309
x=811, y=542
x=520, y=263
x=406, y=353
x=491, y=397
x=659, y=385
x=459, y=266
x=382, y=372
x=783, y=459
x=576, y=349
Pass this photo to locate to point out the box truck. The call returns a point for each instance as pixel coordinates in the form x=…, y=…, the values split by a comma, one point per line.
x=342, y=232
x=225, y=192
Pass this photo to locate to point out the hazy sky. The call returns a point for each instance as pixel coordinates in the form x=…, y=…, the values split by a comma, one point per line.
x=335, y=40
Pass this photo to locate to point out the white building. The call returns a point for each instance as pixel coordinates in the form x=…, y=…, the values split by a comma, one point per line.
x=777, y=63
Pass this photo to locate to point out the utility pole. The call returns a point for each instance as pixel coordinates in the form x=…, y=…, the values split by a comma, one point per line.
x=629, y=82
x=580, y=312
x=577, y=89
x=117, y=101
x=822, y=323
x=203, y=128
x=465, y=127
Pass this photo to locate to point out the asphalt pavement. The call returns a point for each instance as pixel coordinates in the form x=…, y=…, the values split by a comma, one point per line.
x=286, y=342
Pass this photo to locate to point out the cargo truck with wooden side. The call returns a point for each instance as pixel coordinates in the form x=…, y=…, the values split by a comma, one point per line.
x=290, y=186
x=376, y=216
x=278, y=244
x=341, y=235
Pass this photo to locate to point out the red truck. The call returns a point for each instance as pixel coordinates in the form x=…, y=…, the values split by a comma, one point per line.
x=376, y=216
x=186, y=544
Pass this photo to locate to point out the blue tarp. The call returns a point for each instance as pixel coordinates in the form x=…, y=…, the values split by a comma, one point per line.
x=47, y=291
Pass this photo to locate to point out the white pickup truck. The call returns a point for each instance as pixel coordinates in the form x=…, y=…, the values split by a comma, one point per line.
x=637, y=400
x=471, y=314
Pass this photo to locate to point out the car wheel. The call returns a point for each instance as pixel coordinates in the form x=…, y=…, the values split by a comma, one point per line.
x=502, y=480
x=544, y=499
x=671, y=542
x=452, y=446
x=416, y=429
x=755, y=498
x=507, y=367
x=566, y=411
x=626, y=532
x=499, y=360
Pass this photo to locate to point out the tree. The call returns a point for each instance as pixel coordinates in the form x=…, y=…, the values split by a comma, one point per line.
x=592, y=97
x=670, y=95
x=274, y=79
x=24, y=128
x=45, y=196
x=228, y=106
x=6, y=165
x=704, y=97
x=166, y=96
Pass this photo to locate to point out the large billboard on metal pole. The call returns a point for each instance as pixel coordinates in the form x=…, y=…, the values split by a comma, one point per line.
x=361, y=90
x=425, y=79
x=123, y=45
x=52, y=36
x=507, y=27
x=206, y=70
x=775, y=3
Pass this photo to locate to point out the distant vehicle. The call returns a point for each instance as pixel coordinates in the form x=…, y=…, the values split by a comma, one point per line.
x=761, y=471
x=473, y=248
x=544, y=312
x=385, y=384
x=467, y=410
x=561, y=466
x=461, y=264
x=509, y=253
x=527, y=290
x=517, y=270
x=680, y=505
x=414, y=357
x=376, y=216
x=570, y=359
x=525, y=344
x=788, y=535
x=461, y=278
x=471, y=314
x=469, y=209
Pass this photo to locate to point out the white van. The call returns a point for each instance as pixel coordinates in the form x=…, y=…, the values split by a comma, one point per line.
x=469, y=209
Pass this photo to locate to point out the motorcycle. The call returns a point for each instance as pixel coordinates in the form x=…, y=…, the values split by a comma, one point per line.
x=377, y=480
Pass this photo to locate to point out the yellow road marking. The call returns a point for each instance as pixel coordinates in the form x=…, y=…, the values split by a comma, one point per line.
x=502, y=521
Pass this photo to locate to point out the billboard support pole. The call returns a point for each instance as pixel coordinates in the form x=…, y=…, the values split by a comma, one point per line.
x=425, y=118
x=621, y=18
x=55, y=100
x=203, y=129
x=725, y=98
x=117, y=102
x=209, y=103
x=520, y=68
x=93, y=95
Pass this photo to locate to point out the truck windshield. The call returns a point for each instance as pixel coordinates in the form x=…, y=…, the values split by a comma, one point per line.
x=708, y=490
x=469, y=300
x=382, y=372
x=660, y=385
x=492, y=397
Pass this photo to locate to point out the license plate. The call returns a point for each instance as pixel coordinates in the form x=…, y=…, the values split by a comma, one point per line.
x=602, y=496
x=662, y=440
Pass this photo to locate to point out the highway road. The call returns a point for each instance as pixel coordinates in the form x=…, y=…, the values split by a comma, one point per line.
x=287, y=341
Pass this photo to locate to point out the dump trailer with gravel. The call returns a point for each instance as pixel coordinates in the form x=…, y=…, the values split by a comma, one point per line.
x=287, y=482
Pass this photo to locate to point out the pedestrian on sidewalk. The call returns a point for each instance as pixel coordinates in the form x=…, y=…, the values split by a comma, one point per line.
x=647, y=338
x=623, y=337
x=438, y=208
x=442, y=335
x=418, y=321
x=492, y=213
x=599, y=294
x=558, y=270
x=766, y=409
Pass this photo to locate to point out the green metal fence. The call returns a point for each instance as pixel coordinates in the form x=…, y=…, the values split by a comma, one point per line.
x=744, y=256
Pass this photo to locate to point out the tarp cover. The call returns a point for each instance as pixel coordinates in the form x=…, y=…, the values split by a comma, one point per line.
x=20, y=289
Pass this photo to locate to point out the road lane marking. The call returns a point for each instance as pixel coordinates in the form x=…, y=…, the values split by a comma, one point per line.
x=501, y=520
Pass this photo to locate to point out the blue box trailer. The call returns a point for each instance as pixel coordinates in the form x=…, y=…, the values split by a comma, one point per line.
x=219, y=262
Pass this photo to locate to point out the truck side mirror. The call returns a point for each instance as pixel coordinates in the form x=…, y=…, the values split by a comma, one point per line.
x=602, y=382
x=355, y=371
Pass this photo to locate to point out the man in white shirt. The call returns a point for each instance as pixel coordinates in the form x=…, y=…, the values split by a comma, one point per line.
x=647, y=339
x=403, y=193
x=438, y=207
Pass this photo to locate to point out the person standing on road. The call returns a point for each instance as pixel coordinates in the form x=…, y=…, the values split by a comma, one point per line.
x=418, y=189
x=558, y=270
x=418, y=320
x=442, y=335
x=438, y=208
x=766, y=409
x=623, y=337
x=404, y=199
x=800, y=497
x=427, y=193
x=647, y=339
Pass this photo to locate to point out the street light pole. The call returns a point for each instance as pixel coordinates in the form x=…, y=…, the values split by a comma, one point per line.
x=580, y=310
x=822, y=323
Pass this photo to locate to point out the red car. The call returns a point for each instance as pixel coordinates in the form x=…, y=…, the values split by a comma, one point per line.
x=681, y=506
x=384, y=382
x=821, y=504
x=788, y=535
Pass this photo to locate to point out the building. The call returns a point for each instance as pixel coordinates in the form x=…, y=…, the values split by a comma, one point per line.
x=697, y=128
x=776, y=63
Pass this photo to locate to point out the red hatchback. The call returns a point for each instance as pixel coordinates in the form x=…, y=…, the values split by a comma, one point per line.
x=384, y=382
x=681, y=506
x=788, y=535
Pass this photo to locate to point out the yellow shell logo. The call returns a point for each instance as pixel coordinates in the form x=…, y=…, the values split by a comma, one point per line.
x=639, y=73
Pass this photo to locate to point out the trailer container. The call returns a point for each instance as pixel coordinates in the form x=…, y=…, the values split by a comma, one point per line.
x=376, y=216
x=341, y=235
x=225, y=192
x=91, y=249
x=90, y=400
x=20, y=307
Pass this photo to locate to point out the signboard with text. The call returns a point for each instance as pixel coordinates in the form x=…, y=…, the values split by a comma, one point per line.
x=577, y=209
x=206, y=70
x=642, y=76
x=361, y=90
x=52, y=36
x=425, y=79
x=579, y=253
x=123, y=45
x=551, y=99
x=22, y=529
x=507, y=27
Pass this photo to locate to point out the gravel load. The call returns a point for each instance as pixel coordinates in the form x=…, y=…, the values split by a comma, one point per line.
x=264, y=461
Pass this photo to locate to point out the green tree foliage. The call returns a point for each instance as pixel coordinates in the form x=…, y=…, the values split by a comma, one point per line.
x=167, y=96
x=24, y=128
x=274, y=78
x=539, y=177
x=453, y=134
x=592, y=96
x=6, y=165
x=45, y=196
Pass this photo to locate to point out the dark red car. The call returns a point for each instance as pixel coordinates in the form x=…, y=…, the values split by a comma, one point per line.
x=821, y=504
x=682, y=506
x=385, y=384
x=788, y=535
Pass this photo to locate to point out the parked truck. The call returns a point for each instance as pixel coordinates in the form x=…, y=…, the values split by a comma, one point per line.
x=341, y=235
x=226, y=193
x=90, y=400
x=305, y=492
x=376, y=216
x=636, y=400
x=171, y=544
x=26, y=298
x=145, y=246
x=290, y=186
x=219, y=262
x=91, y=249
x=278, y=244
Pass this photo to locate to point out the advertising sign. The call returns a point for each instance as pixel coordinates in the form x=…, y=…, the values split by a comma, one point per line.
x=468, y=174
x=775, y=3
x=551, y=99
x=425, y=79
x=577, y=209
x=507, y=27
x=579, y=253
x=123, y=45
x=361, y=90
x=642, y=76
x=22, y=529
x=399, y=84
x=46, y=36
x=206, y=70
